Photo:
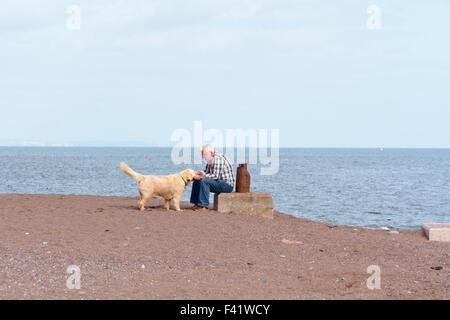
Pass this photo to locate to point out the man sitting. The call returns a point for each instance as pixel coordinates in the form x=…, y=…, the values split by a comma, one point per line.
x=218, y=177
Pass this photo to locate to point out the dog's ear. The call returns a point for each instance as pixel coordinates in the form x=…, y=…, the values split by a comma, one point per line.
x=188, y=175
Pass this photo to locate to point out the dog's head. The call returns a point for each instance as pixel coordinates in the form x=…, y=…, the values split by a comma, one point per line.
x=188, y=175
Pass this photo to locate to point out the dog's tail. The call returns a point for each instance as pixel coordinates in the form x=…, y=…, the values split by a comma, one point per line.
x=136, y=176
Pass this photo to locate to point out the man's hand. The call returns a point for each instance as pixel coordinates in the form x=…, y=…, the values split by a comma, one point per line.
x=199, y=175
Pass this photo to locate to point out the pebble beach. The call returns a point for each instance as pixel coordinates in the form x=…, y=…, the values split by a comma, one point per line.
x=123, y=253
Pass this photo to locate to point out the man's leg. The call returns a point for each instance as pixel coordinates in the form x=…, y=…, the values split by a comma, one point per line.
x=202, y=188
x=209, y=185
x=195, y=192
x=200, y=193
x=203, y=192
x=219, y=186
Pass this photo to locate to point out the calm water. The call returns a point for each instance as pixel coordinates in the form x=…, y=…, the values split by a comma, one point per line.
x=398, y=188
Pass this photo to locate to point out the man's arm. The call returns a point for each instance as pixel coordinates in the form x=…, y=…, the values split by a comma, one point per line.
x=216, y=168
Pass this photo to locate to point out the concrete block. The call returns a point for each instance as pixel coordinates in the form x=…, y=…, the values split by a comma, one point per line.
x=250, y=203
x=437, y=231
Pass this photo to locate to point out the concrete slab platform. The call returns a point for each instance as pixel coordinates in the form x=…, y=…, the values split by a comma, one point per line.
x=250, y=203
x=437, y=231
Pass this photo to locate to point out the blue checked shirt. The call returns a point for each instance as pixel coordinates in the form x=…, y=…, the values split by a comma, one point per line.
x=220, y=168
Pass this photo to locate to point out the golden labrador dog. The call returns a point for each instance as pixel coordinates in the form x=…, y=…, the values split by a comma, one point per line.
x=169, y=187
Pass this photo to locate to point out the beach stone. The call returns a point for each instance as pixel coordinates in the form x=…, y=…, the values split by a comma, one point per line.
x=250, y=203
x=437, y=231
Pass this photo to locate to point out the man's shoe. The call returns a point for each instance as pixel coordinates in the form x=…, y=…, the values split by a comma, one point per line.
x=195, y=207
x=202, y=209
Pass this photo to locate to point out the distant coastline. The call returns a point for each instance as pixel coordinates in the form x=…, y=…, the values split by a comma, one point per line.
x=141, y=144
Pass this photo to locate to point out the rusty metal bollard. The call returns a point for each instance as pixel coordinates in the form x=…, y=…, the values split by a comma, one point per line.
x=242, y=179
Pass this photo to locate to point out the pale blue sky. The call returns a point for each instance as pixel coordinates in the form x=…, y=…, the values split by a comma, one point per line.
x=138, y=70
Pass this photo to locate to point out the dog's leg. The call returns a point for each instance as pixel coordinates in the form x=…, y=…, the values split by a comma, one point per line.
x=140, y=199
x=167, y=204
x=176, y=203
x=144, y=199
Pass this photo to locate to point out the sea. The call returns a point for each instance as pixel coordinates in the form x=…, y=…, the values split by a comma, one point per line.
x=395, y=188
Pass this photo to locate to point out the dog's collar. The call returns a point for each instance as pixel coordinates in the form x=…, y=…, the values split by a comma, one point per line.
x=185, y=183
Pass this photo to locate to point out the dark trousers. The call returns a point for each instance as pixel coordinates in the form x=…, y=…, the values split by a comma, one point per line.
x=202, y=188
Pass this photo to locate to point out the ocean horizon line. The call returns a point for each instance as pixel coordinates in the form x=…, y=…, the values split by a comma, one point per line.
x=193, y=147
